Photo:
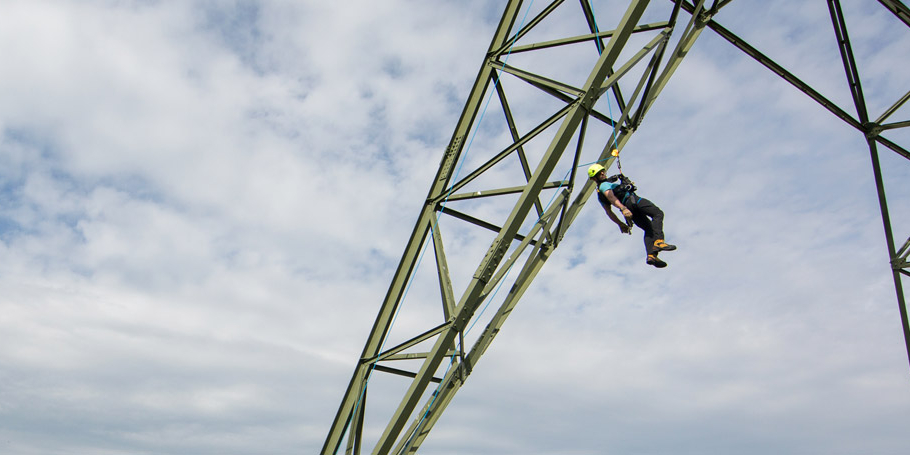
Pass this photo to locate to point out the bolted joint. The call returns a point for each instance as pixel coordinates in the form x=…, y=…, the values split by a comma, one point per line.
x=587, y=102
x=492, y=259
x=872, y=130
x=448, y=158
x=703, y=18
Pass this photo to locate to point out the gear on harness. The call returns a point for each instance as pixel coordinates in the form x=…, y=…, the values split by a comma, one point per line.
x=626, y=185
x=622, y=191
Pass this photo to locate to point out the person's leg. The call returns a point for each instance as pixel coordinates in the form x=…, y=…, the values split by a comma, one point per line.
x=641, y=220
x=657, y=224
x=648, y=208
x=640, y=215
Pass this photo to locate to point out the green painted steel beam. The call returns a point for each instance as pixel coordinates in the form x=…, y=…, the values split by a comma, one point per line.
x=544, y=237
x=531, y=231
x=471, y=299
x=899, y=9
x=851, y=71
x=572, y=118
x=453, y=381
x=354, y=395
x=871, y=130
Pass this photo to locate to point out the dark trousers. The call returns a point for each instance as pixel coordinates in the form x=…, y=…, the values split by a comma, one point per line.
x=650, y=218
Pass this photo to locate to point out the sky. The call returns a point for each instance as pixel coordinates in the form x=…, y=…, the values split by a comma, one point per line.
x=202, y=204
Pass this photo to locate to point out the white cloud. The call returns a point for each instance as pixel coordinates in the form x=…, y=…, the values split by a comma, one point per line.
x=201, y=205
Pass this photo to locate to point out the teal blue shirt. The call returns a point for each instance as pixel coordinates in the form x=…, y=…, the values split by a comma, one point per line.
x=604, y=186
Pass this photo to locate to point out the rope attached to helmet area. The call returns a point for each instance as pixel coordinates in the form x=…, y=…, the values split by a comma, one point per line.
x=613, y=137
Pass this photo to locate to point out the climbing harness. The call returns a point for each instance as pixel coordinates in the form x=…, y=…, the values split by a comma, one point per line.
x=625, y=185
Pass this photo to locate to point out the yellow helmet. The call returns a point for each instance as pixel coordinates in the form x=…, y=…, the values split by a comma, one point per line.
x=595, y=169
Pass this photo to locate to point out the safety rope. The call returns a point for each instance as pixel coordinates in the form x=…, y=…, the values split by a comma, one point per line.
x=457, y=172
x=433, y=226
x=434, y=223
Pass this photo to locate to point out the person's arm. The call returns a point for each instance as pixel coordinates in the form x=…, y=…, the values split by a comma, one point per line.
x=608, y=208
x=615, y=202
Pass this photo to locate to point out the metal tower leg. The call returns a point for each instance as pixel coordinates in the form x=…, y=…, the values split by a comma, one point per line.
x=871, y=130
x=353, y=397
x=577, y=112
x=510, y=245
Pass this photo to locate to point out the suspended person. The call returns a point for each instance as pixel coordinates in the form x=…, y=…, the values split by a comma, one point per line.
x=618, y=191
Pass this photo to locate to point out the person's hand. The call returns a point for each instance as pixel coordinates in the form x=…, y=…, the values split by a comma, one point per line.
x=627, y=213
x=625, y=228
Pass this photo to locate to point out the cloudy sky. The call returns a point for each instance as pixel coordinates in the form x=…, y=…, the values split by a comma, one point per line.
x=202, y=204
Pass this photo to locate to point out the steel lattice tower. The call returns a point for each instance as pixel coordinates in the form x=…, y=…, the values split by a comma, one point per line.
x=573, y=122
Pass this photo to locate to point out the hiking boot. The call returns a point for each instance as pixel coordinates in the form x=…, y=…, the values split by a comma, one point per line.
x=655, y=261
x=663, y=246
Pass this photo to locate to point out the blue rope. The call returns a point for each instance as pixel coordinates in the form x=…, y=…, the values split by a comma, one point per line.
x=568, y=173
x=458, y=171
x=445, y=201
x=596, y=31
x=600, y=52
x=427, y=244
